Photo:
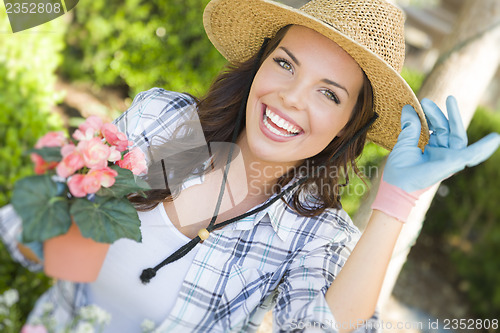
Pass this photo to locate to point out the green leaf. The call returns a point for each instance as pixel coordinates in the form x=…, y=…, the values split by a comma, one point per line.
x=44, y=214
x=125, y=183
x=107, y=219
x=49, y=154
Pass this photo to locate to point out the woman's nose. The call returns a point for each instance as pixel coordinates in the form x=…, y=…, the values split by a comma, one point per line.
x=293, y=95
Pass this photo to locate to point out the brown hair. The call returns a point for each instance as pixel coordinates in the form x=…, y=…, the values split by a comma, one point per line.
x=218, y=110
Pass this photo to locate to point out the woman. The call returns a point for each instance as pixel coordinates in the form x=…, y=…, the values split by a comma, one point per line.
x=266, y=229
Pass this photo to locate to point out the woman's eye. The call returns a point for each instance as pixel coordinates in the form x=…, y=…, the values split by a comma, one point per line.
x=284, y=64
x=331, y=96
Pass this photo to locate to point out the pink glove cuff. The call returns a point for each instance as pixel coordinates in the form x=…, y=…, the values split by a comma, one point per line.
x=394, y=201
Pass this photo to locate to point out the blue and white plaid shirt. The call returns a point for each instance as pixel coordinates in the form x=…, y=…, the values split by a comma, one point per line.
x=274, y=259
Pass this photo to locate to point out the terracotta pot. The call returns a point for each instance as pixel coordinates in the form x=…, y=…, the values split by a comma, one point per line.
x=72, y=257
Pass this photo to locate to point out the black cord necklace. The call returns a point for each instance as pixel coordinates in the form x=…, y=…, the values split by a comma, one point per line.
x=203, y=234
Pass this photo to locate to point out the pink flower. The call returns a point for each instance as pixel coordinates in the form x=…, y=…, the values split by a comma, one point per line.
x=114, y=137
x=67, y=149
x=91, y=183
x=88, y=129
x=33, y=329
x=81, y=185
x=41, y=166
x=70, y=164
x=75, y=185
x=80, y=136
x=51, y=139
x=95, y=153
x=134, y=161
x=114, y=154
x=93, y=122
x=106, y=176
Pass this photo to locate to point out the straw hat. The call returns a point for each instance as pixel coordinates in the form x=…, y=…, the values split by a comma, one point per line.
x=371, y=31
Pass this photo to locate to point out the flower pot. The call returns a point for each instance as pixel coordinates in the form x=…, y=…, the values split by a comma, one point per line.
x=73, y=257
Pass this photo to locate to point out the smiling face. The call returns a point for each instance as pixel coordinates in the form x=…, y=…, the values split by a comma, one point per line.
x=301, y=98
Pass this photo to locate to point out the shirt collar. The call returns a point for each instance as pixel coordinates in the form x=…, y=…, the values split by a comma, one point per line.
x=278, y=214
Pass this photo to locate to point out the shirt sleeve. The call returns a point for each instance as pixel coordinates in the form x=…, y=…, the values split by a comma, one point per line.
x=10, y=232
x=301, y=305
x=166, y=127
x=154, y=116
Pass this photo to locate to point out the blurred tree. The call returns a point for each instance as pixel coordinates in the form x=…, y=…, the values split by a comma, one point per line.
x=464, y=69
x=464, y=217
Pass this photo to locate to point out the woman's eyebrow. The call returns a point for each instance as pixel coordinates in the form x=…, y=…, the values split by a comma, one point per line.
x=327, y=81
x=333, y=83
x=290, y=54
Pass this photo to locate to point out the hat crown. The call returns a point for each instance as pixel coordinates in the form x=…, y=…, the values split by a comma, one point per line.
x=377, y=25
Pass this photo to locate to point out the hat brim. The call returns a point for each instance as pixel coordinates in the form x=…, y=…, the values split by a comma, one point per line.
x=237, y=29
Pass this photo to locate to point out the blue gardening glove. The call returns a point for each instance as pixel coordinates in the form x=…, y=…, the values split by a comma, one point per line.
x=408, y=171
x=446, y=153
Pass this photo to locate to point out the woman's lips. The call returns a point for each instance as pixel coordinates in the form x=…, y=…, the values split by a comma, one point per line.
x=277, y=127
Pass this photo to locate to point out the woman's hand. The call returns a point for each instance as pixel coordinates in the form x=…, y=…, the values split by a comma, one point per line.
x=409, y=171
x=28, y=253
x=446, y=153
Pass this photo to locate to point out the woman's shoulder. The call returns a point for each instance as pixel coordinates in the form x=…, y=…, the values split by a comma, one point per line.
x=158, y=102
x=162, y=97
x=155, y=110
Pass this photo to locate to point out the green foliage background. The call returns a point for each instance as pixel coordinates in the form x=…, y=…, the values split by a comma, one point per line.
x=27, y=97
x=141, y=44
x=138, y=44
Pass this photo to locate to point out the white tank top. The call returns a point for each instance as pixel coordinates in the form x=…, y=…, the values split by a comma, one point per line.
x=118, y=289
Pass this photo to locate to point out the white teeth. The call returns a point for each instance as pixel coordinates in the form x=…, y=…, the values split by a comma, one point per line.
x=274, y=130
x=280, y=122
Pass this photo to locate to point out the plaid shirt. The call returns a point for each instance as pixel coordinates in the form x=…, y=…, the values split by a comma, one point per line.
x=274, y=259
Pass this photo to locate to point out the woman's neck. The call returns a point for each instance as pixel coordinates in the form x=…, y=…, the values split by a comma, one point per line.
x=261, y=176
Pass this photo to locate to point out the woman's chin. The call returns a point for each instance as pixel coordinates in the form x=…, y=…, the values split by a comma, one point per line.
x=265, y=153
